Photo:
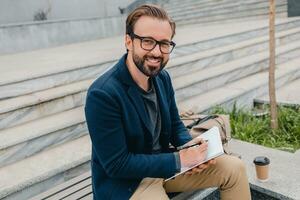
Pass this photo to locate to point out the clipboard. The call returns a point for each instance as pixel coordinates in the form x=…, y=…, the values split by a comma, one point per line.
x=215, y=149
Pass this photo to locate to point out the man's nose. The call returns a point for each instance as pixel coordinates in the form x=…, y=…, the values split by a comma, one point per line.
x=156, y=51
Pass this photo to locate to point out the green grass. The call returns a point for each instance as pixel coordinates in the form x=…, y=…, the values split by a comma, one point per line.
x=246, y=127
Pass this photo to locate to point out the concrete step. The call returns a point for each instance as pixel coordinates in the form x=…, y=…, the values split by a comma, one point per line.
x=255, y=13
x=178, y=2
x=200, y=81
x=286, y=95
x=22, y=109
x=243, y=91
x=175, y=2
x=18, y=110
x=25, y=140
x=256, y=29
x=251, y=9
x=223, y=8
x=58, y=66
x=38, y=173
x=228, y=20
x=192, y=6
x=204, y=59
x=204, y=5
x=55, y=66
x=176, y=5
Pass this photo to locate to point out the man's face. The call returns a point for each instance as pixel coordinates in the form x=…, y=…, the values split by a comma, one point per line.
x=150, y=63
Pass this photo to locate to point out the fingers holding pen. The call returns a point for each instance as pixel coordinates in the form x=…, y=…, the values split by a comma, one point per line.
x=203, y=145
x=198, y=148
x=193, y=153
x=201, y=148
x=193, y=143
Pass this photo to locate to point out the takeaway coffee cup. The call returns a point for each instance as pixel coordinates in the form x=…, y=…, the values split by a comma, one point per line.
x=262, y=168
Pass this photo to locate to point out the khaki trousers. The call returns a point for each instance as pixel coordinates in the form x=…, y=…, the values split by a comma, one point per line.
x=228, y=174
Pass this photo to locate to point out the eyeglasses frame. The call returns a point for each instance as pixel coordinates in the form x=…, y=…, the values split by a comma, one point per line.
x=173, y=44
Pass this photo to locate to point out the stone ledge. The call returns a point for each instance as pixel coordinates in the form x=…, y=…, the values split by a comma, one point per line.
x=199, y=194
x=284, y=169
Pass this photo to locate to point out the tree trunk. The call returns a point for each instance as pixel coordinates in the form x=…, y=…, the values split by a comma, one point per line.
x=273, y=104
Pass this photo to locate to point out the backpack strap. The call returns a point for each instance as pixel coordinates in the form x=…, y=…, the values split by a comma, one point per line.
x=201, y=120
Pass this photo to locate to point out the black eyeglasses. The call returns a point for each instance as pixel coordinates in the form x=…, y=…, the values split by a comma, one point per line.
x=148, y=44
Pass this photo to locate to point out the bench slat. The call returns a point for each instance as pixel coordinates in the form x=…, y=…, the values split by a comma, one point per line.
x=88, y=197
x=71, y=190
x=80, y=193
x=62, y=187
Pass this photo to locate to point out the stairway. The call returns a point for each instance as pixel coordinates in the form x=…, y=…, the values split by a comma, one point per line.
x=43, y=135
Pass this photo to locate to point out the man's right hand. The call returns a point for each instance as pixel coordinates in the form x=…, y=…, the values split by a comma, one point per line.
x=193, y=155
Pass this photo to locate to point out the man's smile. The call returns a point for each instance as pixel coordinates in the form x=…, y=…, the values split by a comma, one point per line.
x=154, y=61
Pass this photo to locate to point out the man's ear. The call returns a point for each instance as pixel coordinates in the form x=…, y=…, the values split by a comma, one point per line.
x=128, y=42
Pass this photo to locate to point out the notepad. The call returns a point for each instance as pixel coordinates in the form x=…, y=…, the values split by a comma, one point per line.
x=214, y=149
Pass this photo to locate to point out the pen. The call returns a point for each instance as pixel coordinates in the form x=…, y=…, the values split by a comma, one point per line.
x=185, y=147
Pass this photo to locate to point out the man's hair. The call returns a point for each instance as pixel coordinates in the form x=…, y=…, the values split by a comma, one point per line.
x=150, y=11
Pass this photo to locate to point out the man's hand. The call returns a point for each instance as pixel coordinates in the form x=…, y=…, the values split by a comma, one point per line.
x=196, y=140
x=193, y=155
x=200, y=155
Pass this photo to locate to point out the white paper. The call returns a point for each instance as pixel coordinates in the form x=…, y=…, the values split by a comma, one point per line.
x=214, y=149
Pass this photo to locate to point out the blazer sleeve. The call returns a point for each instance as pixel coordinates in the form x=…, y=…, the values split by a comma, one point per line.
x=104, y=122
x=179, y=133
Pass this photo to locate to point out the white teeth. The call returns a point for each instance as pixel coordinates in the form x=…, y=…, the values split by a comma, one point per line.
x=153, y=60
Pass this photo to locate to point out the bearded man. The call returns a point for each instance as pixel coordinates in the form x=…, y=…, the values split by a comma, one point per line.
x=132, y=119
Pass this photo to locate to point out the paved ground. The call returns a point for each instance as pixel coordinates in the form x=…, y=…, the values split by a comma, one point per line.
x=284, y=169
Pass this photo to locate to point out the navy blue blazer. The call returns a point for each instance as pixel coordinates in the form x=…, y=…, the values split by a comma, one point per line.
x=120, y=133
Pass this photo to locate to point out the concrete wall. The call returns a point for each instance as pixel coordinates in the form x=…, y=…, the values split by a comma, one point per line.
x=68, y=21
x=37, y=35
x=19, y=11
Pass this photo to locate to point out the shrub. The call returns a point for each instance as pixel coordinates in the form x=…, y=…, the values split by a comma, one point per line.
x=256, y=129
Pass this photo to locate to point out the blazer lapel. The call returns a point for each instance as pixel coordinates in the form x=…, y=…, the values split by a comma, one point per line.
x=139, y=105
x=133, y=92
x=162, y=99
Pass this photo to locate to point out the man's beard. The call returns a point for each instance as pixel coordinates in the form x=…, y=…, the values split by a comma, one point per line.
x=148, y=70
